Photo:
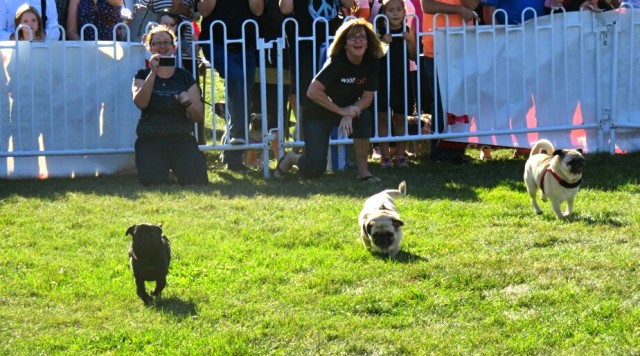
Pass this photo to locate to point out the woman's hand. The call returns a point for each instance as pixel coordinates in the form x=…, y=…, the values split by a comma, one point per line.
x=467, y=14
x=184, y=99
x=346, y=125
x=351, y=111
x=154, y=63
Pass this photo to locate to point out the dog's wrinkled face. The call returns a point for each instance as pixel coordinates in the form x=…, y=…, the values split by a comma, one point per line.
x=146, y=235
x=383, y=230
x=255, y=122
x=572, y=161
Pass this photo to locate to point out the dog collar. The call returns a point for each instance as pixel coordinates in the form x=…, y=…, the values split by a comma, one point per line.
x=562, y=182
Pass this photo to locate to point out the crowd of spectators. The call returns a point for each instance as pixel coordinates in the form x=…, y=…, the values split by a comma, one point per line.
x=235, y=62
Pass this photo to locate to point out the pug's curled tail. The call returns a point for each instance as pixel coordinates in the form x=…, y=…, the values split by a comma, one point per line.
x=542, y=145
x=400, y=192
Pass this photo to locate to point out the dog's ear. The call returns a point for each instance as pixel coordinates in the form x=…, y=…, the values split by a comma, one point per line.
x=558, y=153
x=131, y=230
x=580, y=150
x=367, y=228
x=397, y=222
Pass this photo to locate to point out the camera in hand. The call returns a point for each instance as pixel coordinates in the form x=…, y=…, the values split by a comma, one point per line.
x=167, y=62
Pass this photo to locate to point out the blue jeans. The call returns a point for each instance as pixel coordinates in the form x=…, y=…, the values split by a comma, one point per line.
x=238, y=88
x=317, y=131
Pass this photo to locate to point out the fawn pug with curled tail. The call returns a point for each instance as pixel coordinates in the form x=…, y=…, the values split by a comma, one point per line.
x=380, y=223
x=558, y=174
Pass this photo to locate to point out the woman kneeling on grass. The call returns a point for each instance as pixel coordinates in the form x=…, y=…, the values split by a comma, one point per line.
x=339, y=96
x=169, y=101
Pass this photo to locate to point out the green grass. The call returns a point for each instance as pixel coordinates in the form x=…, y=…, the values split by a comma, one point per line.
x=277, y=267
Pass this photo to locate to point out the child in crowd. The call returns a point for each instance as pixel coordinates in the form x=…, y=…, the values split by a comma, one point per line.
x=593, y=5
x=28, y=16
x=391, y=91
x=172, y=20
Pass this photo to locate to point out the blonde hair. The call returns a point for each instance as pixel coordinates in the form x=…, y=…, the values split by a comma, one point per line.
x=158, y=29
x=39, y=34
x=375, y=48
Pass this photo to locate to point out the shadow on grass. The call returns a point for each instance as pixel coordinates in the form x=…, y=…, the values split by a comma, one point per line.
x=177, y=307
x=401, y=257
x=601, y=219
x=425, y=180
x=604, y=218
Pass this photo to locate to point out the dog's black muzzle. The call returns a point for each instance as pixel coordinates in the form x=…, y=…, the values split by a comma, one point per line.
x=383, y=239
x=577, y=165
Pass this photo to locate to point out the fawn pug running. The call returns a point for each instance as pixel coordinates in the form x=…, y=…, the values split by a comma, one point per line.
x=558, y=174
x=380, y=223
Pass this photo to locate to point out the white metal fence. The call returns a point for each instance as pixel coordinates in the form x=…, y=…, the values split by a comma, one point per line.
x=66, y=107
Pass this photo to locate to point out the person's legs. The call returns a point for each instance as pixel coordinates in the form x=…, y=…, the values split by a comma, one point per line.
x=383, y=131
x=398, y=127
x=302, y=79
x=361, y=150
x=152, y=161
x=362, y=128
x=438, y=153
x=238, y=88
x=313, y=162
x=187, y=162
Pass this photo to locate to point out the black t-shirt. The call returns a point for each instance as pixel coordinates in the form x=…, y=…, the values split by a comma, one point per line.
x=165, y=116
x=396, y=52
x=344, y=83
x=305, y=21
x=233, y=13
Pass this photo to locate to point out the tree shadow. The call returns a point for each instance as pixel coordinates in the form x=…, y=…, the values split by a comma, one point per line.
x=426, y=180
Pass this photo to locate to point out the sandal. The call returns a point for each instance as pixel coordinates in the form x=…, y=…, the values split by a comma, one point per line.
x=285, y=163
x=385, y=162
x=278, y=172
x=370, y=179
x=402, y=162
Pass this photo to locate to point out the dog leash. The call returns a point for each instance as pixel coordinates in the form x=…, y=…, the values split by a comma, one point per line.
x=562, y=182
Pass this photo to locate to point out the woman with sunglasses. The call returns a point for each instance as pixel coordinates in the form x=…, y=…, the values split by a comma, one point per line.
x=339, y=95
x=169, y=101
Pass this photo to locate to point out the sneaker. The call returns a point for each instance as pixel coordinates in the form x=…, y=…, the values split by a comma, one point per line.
x=237, y=141
x=402, y=162
x=386, y=163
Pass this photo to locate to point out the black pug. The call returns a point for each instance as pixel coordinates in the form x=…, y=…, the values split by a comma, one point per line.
x=149, y=255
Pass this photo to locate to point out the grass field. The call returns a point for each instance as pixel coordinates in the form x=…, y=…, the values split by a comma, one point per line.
x=276, y=267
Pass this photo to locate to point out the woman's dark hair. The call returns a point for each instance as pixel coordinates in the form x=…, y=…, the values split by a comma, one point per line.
x=169, y=12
